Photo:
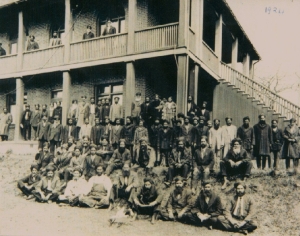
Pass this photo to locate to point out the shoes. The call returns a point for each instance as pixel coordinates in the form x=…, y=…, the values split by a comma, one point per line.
x=30, y=197
x=49, y=201
x=245, y=232
x=210, y=227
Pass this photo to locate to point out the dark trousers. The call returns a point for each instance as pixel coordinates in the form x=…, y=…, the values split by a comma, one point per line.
x=262, y=160
x=215, y=222
x=164, y=155
x=38, y=197
x=26, y=191
x=113, y=166
x=173, y=171
x=244, y=169
x=34, y=132
x=26, y=130
x=276, y=159
x=41, y=143
x=288, y=162
x=249, y=226
x=130, y=148
x=53, y=144
x=75, y=202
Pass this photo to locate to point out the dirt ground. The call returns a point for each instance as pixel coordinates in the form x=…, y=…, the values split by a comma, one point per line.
x=277, y=201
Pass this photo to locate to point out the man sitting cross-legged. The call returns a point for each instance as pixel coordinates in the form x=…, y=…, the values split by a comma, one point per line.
x=239, y=212
x=99, y=188
x=47, y=190
x=75, y=188
x=28, y=184
x=236, y=162
x=146, y=200
x=90, y=162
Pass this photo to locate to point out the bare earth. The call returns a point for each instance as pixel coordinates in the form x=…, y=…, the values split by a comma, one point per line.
x=278, y=210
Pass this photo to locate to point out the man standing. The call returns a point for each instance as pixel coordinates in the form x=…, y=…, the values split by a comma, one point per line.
x=204, y=112
x=116, y=133
x=109, y=29
x=216, y=140
x=165, y=143
x=146, y=112
x=155, y=107
x=96, y=132
x=35, y=120
x=55, y=40
x=127, y=133
x=91, y=110
x=58, y=111
x=277, y=135
x=42, y=131
x=82, y=112
x=192, y=108
x=263, y=141
x=246, y=134
x=115, y=110
x=186, y=131
x=55, y=134
x=229, y=133
x=85, y=129
x=239, y=212
x=70, y=130
x=153, y=137
x=198, y=131
x=5, y=121
x=88, y=34
x=136, y=108
x=44, y=112
x=25, y=122
x=31, y=44
x=2, y=51
x=236, y=162
x=98, y=109
x=105, y=109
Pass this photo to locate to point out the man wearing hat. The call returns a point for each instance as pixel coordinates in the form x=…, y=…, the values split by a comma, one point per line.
x=25, y=122
x=27, y=184
x=55, y=40
x=88, y=34
x=47, y=190
x=198, y=131
x=144, y=155
x=31, y=44
x=115, y=110
x=55, y=134
x=136, y=108
x=2, y=51
x=204, y=112
x=109, y=29
x=240, y=212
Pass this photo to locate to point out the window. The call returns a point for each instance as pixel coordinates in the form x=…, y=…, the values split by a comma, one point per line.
x=57, y=94
x=118, y=23
x=110, y=91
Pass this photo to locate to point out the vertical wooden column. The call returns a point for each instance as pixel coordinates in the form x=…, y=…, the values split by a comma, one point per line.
x=67, y=83
x=182, y=83
x=218, y=39
x=21, y=40
x=132, y=11
x=199, y=37
x=183, y=23
x=130, y=87
x=193, y=81
x=19, y=107
x=234, y=53
x=68, y=30
x=246, y=65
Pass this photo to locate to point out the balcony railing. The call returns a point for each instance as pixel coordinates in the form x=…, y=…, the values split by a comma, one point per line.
x=43, y=58
x=8, y=64
x=256, y=90
x=98, y=48
x=156, y=38
x=210, y=58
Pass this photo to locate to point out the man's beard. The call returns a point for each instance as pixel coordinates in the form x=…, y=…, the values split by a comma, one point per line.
x=178, y=190
x=203, y=145
x=207, y=193
x=99, y=174
x=246, y=125
x=262, y=122
x=237, y=150
x=126, y=173
x=240, y=194
x=121, y=149
x=180, y=149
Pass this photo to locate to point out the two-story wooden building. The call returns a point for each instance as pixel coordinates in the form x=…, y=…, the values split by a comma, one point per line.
x=166, y=47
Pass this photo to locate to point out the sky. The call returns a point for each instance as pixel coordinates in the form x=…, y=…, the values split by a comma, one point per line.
x=276, y=36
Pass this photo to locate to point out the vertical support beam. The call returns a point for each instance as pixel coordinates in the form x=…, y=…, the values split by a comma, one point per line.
x=251, y=70
x=19, y=107
x=200, y=29
x=218, y=39
x=246, y=65
x=193, y=82
x=234, y=53
x=183, y=23
x=132, y=11
x=67, y=82
x=130, y=87
x=68, y=30
x=21, y=40
x=182, y=83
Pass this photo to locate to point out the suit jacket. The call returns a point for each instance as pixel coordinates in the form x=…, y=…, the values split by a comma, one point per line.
x=194, y=108
x=242, y=156
x=213, y=207
x=89, y=166
x=277, y=140
x=108, y=31
x=185, y=156
x=206, y=114
x=203, y=160
x=150, y=154
x=98, y=111
x=153, y=134
x=145, y=196
x=63, y=161
x=35, y=118
x=247, y=137
x=182, y=204
x=89, y=35
x=121, y=157
x=116, y=134
x=146, y=111
x=115, y=112
x=127, y=133
x=263, y=139
x=105, y=111
x=74, y=133
x=196, y=134
x=132, y=179
x=165, y=139
x=23, y=116
x=44, y=159
x=42, y=131
x=55, y=133
x=186, y=132
x=96, y=133
x=58, y=112
x=29, y=180
x=55, y=184
x=32, y=46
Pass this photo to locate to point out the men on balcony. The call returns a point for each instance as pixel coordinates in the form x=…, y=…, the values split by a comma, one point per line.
x=5, y=121
x=109, y=29
x=88, y=34
x=31, y=44
x=25, y=123
x=55, y=40
x=2, y=51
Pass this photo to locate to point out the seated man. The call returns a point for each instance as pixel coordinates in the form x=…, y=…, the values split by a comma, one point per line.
x=44, y=158
x=235, y=162
x=71, y=144
x=119, y=158
x=179, y=161
x=179, y=202
x=76, y=161
x=144, y=155
x=125, y=183
x=208, y=208
x=62, y=161
x=28, y=184
x=99, y=188
x=239, y=212
x=90, y=163
x=105, y=151
x=204, y=159
x=47, y=190
x=146, y=200
x=75, y=189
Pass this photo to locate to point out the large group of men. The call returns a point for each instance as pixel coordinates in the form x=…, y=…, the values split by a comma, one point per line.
x=94, y=159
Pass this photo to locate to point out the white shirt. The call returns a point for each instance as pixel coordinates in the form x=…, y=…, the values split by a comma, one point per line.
x=104, y=180
x=76, y=187
x=239, y=209
x=92, y=108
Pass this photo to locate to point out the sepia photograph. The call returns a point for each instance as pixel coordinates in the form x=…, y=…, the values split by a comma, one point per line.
x=149, y=117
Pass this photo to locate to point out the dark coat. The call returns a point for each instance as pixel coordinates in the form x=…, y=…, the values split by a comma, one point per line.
x=116, y=134
x=74, y=133
x=96, y=133
x=153, y=134
x=105, y=111
x=146, y=196
x=263, y=140
x=242, y=156
x=2, y=51
x=58, y=112
x=185, y=156
x=29, y=180
x=42, y=131
x=155, y=113
x=55, y=133
x=193, y=109
x=127, y=133
x=277, y=140
x=108, y=31
x=146, y=111
x=206, y=114
x=197, y=132
x=89, y=166
x=35, y=118
x=291, y=149
x=63, y=161
x=23, y=116
x=98, y=112
x=214, y=207
x=118, y=157
x=187, y=132
x=89, y=35
x=182, y=204
x=247, y=137
x=44, y=159
x=165, y=140
x=204, y=160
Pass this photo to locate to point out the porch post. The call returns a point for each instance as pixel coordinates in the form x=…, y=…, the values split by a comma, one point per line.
x=67, y=81
x=130, y=87
x=182, y=83
x=19, y=108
